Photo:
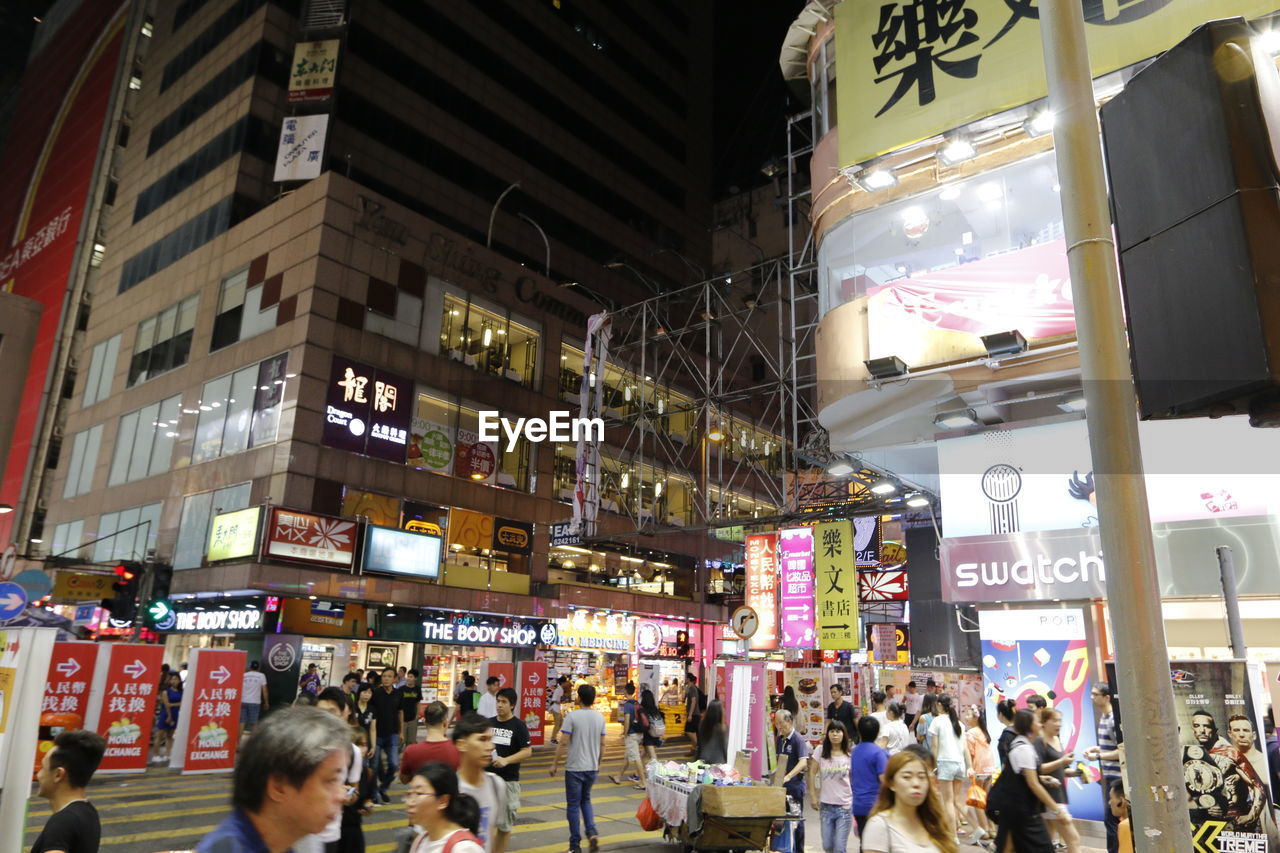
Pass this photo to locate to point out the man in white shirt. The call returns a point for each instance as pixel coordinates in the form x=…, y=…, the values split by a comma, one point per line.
x=488, y=707
x=913, y=701
x=473, y=738
x=253, y=698
x=878, y=700
x=894, y=735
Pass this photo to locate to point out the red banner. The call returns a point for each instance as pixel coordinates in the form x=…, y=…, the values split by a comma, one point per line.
x=209, y=726
x=129, y=705
x=532, y=688
x=762, y=589
x=311, y=538
x=66, y=691
x=882, y=586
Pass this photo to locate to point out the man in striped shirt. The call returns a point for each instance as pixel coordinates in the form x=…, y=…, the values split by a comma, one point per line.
x=1107, y=752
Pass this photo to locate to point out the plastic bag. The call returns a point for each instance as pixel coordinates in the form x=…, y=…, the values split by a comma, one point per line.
x=977, y=796
x=648, y=818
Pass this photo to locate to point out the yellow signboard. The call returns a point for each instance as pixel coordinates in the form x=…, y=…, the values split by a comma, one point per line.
x=417, y=526
x=81, y=586
x=835, y=571
x=315, y=63
x=912, y=69
x=233, y=535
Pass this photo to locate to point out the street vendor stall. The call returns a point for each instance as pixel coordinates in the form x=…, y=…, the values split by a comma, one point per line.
x=714, y=807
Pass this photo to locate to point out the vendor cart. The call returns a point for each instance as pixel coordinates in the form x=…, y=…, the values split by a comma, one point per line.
x=707, y=817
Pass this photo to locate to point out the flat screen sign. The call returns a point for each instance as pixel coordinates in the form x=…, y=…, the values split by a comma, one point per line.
x=402, y=552
x=367, y=410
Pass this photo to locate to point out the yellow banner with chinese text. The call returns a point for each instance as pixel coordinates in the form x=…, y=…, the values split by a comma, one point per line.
x=912, y=69
x=835, y=571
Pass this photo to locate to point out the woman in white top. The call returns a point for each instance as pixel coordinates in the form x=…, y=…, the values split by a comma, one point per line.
x=946, y=741
x=556, y=706
x=830, y=791
x=449, y=820
x=908, y=817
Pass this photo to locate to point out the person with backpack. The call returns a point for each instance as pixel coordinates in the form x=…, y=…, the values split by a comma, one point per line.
x=1017, y=798
x=449, y=819
x=653, y=725
x=468, y=699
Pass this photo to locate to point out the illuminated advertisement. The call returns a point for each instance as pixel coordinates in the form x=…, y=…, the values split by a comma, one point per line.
x=367, y=410
x=762, y=588
x=401, y=552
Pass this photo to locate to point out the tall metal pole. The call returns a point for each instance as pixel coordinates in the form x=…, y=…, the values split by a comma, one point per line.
x=1235, y=628
x=1153, y=756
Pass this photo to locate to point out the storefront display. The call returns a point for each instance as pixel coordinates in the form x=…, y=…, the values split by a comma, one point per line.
x=594, y=646
x=807, y=684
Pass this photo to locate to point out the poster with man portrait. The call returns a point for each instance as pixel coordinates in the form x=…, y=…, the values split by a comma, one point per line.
x=1223, y=757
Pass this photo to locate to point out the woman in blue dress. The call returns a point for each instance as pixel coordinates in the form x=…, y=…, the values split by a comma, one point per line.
x=170, y=705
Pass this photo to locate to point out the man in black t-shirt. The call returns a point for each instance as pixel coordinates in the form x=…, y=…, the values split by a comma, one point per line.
x=468, y=698
x=510, y=747
x=64, y=774
x=842, y=712
x=388, y=718
x=411, y=693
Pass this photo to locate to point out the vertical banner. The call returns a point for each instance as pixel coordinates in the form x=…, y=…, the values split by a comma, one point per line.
x=1223, y=758
x=762, y=589
x=24, y=660
x=746, y=711
x=837, y=586
x=123, y=709
x=807, y=683
x=282, y=665
x=795, y=555
x=504, y=671
x=66, y=691
x=1038, y=651
x=209, y=724
x=532, y=687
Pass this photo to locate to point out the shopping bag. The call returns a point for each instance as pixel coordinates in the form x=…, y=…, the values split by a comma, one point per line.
x=977, y=796
x=648, y=818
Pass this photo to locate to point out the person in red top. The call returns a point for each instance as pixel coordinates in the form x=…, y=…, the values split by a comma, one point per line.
x=435, y=746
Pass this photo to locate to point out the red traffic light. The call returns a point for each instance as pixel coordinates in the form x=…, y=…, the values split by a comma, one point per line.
x=123, y=572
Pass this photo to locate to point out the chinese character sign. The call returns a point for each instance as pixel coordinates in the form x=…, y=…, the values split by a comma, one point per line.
x=311, y=538
x=911, y=69
x=762, y=588
x=368, y=410
x=128, y=696
x=314, y=65
x=532, y=686
x=300, y=156
x=795, y=554
x=209, y=725
x=837, y=585
x=66, y=692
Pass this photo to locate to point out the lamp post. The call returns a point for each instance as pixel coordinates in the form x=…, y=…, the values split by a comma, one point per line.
x=493, y=213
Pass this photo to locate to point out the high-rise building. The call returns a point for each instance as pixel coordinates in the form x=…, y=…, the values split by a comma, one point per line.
x=325, y=237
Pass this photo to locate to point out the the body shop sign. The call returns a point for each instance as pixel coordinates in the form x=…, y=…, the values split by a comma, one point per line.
x=762, y=588
x=238, y=619
x=367, y=410
x=311, y=538
x=467, y=630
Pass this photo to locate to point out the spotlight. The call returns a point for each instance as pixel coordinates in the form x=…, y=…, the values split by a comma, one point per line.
x=956, y=420
x=885, y=368
x=956, y=151
x=917, y=500
x=950, y=192
x=716, y=433
x=840, y=468
x=1072, y=403
x=875, y=179
x=1004, y=343
x=883, y=487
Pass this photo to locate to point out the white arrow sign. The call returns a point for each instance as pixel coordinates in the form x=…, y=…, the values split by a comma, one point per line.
x=220, y=675
x=135, y=669
x=69, y=668
x=12, y=601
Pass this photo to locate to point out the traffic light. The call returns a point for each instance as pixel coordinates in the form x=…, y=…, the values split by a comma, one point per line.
x=123, y=606
x=159, y=610
x=683, y=648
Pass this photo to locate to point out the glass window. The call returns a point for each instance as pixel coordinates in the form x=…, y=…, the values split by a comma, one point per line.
x=84, y=459
x=489, y=339
x=163, y=341
x=240, y=311
x=144, y=442
x=241, y=410
x=127, y=534
x=102, y=369
x=197, y=514
x=445, y=438
x=393, y=313
x=66, y=537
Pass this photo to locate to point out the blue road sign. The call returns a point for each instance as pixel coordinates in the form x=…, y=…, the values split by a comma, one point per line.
x=13, y=600
x=35, y=582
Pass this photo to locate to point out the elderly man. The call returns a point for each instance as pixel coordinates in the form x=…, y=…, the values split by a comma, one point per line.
x=289, y=783
x=793, y=760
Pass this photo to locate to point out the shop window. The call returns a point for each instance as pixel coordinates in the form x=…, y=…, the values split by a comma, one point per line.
x=393, y=312
x=489, y=339
x=84, y=459
x=163, y=341
x=445, y=438
x=127, y=534
x=240, y=311
x=102, y=369
x=144, y=441
x=240, y=410
x=197, y=514
x=67, y=537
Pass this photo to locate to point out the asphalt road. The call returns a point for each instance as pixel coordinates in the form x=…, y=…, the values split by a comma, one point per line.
x=162, y=810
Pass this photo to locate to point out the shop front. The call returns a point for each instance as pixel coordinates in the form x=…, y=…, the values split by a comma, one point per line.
x=595, y=647
x=213, y=623
x=456, y=642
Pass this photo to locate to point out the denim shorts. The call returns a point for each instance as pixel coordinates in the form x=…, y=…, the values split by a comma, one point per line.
x=949, y=771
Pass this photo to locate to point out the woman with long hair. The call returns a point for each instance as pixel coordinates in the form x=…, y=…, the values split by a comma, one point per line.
x=363, y=716
x=1005, y=710
x=982, y=764
x=1055, y=765
x=434, y=803
x=928, y=710
x=649, y=712
x=790, y=702
x=170, y=707
x=946, y=744
x=1017, y=798
x=830, y=791
x=713, y=735
x=908, y=818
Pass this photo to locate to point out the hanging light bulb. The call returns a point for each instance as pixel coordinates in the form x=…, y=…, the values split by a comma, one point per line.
x=626, y=479
x=488, y=336
x=657, y=489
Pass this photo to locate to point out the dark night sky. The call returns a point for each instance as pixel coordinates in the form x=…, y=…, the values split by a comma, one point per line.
x=752, y=102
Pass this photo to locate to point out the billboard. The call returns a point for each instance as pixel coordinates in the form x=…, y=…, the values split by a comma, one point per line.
x=311, y=538
x=49, y=160
x=837, y=585
x=762, y=588
x=367, y=410
x=795, y=553
x=387, y=549
x=234, y=535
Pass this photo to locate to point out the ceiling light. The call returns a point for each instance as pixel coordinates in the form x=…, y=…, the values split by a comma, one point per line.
x=884, y=487
x=990, y=191
x=956, y=420
x=840, y=468
x=36, y=541
x=657, y=489
x=1073, y=403
x=1004, y=343
x=716, y=433
x=876, y=179
x=1039, y=123
x=956, y=151
x=1269, y=40
x=885, y=368
x=626, y=480
x=477, y=476
x=917, y=500
x=950, y=192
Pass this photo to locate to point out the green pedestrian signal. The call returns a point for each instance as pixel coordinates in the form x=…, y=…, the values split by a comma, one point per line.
x=160, y=614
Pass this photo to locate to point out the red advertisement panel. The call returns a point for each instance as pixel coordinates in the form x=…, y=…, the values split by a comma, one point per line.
x=533, y=699
x=310, y=538
x=66, y=692
x=210, y=723
x=49, y=163
x=129, y=706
